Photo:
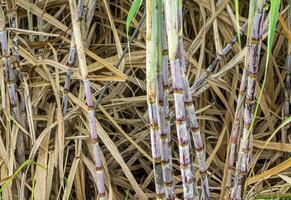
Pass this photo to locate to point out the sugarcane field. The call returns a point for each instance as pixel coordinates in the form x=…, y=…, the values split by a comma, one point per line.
x=145, y=99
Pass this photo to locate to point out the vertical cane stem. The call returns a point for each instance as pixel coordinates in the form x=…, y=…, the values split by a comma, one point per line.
x=89, y=101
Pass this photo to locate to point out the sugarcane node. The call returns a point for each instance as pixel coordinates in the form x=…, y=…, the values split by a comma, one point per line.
x=198, y=149
x=66, y=90
x=165, y=87
x=99, y=169
x=243, y=172
x=160, y=195
x=250, y=102
x=164, y=162
x=90, y=107
x=154, y=126
x=180, y=121
x=157, y=160
x=183, y=143
x=194, y=129
x=152, y=99
x=185, y=165
x=103, y=194
x=203, y=173
x=169, y=183
x=188, y=180
x=6, y=56
x=252, y=75
x=254, y=41
x=247, y=125
x=163, y=136
x=188, y=103
x=161, y=103
x=165, y=53
x=246, y=150
x=94, y=141
x=178, y=90
x=242, y=92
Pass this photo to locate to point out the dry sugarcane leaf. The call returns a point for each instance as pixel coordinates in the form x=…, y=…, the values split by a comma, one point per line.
x=273, y=146
x=270, y=172
x=71, y=178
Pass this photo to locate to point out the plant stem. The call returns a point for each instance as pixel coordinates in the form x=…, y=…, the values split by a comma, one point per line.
x=163, y=106
x=151, y=77
x=10, y=73
x=253, y=59
x=171, y=10
x=191, y=114
x=70, y=62
x=89, y=101
x=235, y=130
x=195, y=87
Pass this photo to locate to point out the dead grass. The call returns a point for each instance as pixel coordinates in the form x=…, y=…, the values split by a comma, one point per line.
x=58, y=148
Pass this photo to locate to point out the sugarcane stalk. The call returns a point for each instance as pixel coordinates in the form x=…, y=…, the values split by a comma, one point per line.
x=190, y=112
x=171, y=10
x=151, y=78
x=89, y=101
x=70, y=62
x=235, y=130
x=217, y=59
x=252, y=63
x=10, y=74
x=163, y=107
x=80, y=9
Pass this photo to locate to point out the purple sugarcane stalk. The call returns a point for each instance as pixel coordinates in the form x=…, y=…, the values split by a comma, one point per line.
x=252, y=61
x=171, y=10
x=70, y=62
x=89, y=101
x=217, y=59
x=163, y=106
x=190, y=112
x=235, y=131
x=10, y=75
x=152, y=87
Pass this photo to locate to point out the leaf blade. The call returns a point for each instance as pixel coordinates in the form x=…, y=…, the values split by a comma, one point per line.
x=132, y=13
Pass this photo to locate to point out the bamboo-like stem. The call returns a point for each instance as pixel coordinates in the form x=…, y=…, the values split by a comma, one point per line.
x=217, y=59
x=235, y=131
x=163, y=107
x=252, y=62
x=9, y=72
x=171, y=10
x=70, y=62
x=191, y=114
x=80, y=9
x=151, y=77
x=89, y=101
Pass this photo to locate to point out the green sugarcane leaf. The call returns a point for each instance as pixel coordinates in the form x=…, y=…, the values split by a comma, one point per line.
x=274, y=15
x=24, y=164
x=132, y=13
x=236, y=2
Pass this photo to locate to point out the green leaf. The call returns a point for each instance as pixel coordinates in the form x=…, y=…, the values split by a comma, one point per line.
x=274, y=15
x=24, y=164
x=236, y=2
x=132, y=12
